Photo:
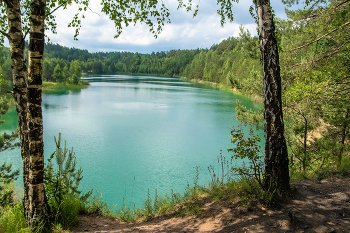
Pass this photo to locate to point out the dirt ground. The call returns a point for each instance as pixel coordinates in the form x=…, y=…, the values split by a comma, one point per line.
x=317, y=207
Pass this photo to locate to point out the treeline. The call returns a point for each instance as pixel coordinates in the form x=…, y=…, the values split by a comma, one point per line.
x=235, y=62
x=160, y=63
x=58, y=60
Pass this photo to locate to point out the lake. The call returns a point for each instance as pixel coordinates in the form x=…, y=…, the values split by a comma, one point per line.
x=134, y=133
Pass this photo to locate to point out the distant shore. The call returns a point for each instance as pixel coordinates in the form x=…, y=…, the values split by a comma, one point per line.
x=223, y=87
x=61, y=86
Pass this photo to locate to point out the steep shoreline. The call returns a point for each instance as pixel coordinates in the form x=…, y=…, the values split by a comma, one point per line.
x=255, y=98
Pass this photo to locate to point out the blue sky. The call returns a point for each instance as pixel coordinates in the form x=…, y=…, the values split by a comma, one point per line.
x=184, y=32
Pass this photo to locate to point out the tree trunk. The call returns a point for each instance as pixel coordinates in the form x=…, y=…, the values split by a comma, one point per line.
x=276, y=155
x=27, y=93
x=305, y=159
x=343, y=135
x=19, y=75
x=38, y=207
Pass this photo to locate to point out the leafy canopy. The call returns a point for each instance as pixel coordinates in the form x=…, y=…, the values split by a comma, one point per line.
x=153, y=13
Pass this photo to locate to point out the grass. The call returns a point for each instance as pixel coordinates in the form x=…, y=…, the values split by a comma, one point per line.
x=328, y=169
x=62, y=86
x=12, y=219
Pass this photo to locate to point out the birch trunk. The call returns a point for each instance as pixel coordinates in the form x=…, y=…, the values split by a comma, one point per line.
x=27, y=93
x=276, y=155
x=37, y=206
x=19, y=74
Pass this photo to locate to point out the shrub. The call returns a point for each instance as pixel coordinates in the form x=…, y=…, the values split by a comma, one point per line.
x=248, y=148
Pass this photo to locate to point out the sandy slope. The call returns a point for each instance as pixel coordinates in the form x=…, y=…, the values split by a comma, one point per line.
x=318, y=207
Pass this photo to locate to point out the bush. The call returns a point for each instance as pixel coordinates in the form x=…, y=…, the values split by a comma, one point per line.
x=248, y=148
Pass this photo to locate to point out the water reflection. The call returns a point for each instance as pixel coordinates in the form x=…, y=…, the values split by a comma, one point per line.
x=47, y=106
x=62, y=92
x=164, y=81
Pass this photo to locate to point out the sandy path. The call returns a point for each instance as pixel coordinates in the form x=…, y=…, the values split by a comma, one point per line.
x=318, y=207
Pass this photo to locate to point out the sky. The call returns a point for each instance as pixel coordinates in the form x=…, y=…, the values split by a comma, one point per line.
x=184, y=32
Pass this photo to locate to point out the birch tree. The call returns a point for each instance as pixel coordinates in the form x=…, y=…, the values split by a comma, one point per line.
x=276, y=154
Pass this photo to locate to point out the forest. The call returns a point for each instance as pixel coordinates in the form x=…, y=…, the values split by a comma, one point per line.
x=314, y=60
x=61, y=58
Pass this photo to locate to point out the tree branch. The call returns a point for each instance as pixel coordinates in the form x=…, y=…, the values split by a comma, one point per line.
x=321, y=37
x=5, y=34
x=314, y=4
x=341, y=4
x=312, y=16
x=62, y=4
x=325, y=56
x=26, y=33
x=99, y=14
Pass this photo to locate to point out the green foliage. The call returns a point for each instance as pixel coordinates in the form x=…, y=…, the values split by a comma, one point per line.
x=48, y=86
x=329, y=170
x=5, y=70
x=65, y=74
x=75, y=71
x=241, y=184
x=57, y=74
x=12, y=219
x=7, y=176
x=248, y=192
x=316, y=76
x=67, y=211
x=61, y=186
x=249, y=116
x=161, y=63
x=4, y=104
x=234, y=62
x=148, y=207
x=127, y=214
x=247, y=147
x=6, y=140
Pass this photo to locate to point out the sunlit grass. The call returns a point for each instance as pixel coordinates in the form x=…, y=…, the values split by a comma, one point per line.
x=12, y=219
x=61, y=86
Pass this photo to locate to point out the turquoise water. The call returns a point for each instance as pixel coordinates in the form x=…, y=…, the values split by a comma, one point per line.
x=134, y=133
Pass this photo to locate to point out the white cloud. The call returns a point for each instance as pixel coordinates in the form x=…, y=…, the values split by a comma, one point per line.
x=185, y=32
